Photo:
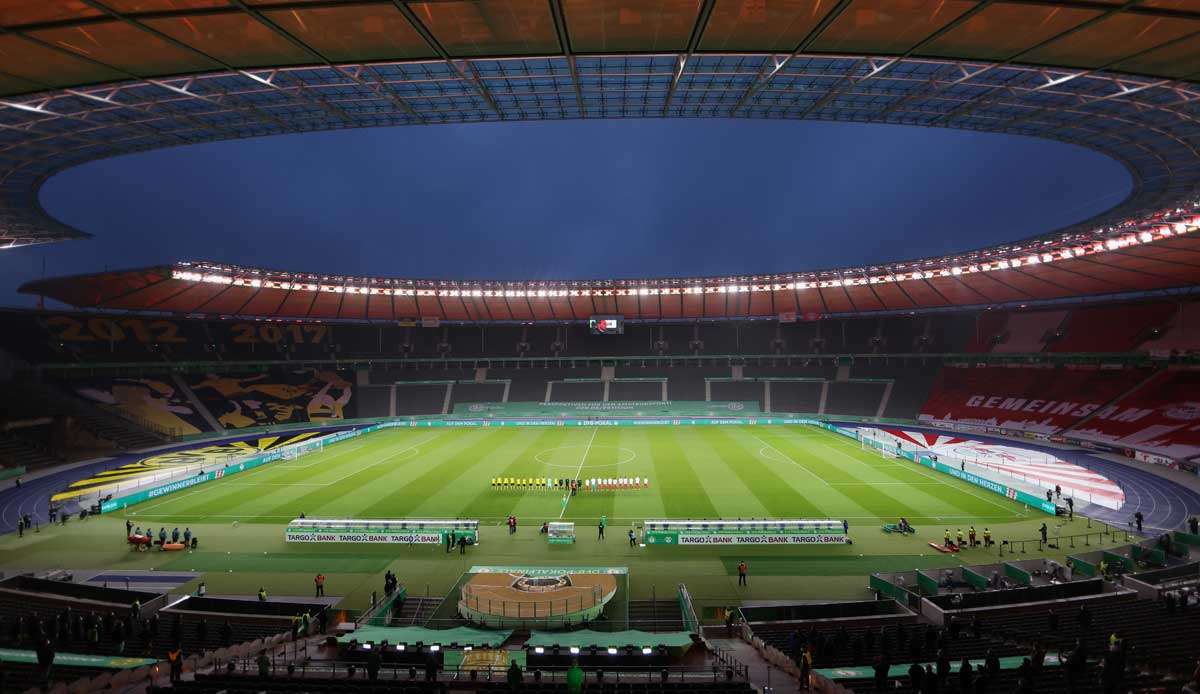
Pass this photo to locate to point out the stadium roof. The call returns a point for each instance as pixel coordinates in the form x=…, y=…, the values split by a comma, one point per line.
x=87, y=79
x=1137, y=263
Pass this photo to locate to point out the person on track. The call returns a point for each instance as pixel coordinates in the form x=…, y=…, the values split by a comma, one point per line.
x=600, y=527
x=743, y=571
x=319, y=585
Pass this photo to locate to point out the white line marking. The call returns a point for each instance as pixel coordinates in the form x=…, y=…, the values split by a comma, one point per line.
x=916, y=467
x=385, y=459
x=203, y=488
x=321, y=460
x=579, y=471
x=207, y=487
x=788, y=459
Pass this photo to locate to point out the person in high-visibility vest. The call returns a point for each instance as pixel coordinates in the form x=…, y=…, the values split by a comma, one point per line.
x=946, y=540
x=987, y=537
x=960, y=538
x=175, y=658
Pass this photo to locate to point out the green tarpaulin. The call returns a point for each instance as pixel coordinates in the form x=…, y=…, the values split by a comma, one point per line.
x=1081, y=567
x=10, y=655
x=1017, y=574
x=463, y=636
x=609, y=639
x=974, y=579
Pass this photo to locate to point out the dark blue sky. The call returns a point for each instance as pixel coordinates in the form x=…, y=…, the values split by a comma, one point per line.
x=569, y=200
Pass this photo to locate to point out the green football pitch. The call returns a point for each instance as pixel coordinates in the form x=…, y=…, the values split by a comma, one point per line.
x=694, y=472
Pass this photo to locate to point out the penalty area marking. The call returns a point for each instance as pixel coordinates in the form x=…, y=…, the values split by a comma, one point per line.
x=385, y=459
x=916, y=468
x=207, y=487
x=785, y=459
x=336, y=454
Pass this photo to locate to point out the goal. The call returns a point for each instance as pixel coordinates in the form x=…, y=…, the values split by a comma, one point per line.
x=883, y=448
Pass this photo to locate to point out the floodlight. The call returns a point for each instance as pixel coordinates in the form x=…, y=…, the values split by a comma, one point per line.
x=612, y=651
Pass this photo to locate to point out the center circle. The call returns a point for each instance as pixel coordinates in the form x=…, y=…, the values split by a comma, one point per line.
x=547, y=457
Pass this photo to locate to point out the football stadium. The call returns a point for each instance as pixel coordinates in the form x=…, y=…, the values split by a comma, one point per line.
x=968, y=472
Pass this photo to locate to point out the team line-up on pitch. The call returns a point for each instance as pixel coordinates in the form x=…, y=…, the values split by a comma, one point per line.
x=593, y=484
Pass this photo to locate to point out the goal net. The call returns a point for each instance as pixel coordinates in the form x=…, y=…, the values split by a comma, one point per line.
x=883, y=448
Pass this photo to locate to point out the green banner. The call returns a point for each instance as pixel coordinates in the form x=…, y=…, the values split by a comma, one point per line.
x=536, y=571
x=454, y=421
x=105, y=662
x=992, y=486
x=430, y=535
x=743, y=537
x=616, y=408
x=236, y=468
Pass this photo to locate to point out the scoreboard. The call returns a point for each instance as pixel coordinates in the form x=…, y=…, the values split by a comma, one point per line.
x=607, y=325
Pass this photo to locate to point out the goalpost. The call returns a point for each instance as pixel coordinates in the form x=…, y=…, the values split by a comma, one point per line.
x=883, y=448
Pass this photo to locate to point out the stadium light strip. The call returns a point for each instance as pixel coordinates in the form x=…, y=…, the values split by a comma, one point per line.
x=238, y=277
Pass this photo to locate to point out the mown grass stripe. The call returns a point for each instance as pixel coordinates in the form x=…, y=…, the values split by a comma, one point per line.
x=887, y=504
x=430, y=484
x=230, y=495
x=354, y=477
x=682, y=494
x=782, y=497
x=497, y=504
x=958, y=495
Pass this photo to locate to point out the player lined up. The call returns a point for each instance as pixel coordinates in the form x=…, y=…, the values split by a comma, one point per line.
x=594, y=484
